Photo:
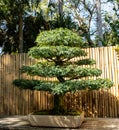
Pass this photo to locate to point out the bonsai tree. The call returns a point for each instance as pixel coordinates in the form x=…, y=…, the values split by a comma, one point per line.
x=54, y=52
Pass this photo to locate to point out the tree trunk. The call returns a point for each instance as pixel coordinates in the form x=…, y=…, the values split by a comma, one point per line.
x=60, y=8
x=99, y=22
x=20, y=33
x=58, y=106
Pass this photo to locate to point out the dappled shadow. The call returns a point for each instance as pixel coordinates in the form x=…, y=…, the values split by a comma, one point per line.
x=94, y=103
x=56, y=121
x=101, y=124
x=15, y=101
x=13, y=121
x=20, y=122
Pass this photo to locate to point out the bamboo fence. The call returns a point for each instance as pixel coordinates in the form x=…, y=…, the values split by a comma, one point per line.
x=103, y=103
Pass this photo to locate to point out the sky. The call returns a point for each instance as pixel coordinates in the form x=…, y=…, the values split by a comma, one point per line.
x=0, y=50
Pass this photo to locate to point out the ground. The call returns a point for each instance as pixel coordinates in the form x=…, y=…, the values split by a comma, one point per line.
x=21, y=123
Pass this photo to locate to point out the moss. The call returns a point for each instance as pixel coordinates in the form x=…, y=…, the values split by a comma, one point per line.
x=51, y=112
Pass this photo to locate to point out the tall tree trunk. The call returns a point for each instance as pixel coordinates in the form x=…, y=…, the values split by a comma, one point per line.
x=99, y=22
x=60, y=12
x=20, y=33
x=60, y=7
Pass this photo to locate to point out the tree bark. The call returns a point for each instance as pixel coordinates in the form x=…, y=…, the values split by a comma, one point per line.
x=58, y=108
x=20, y=33
x=99, y=22
x=60, y=7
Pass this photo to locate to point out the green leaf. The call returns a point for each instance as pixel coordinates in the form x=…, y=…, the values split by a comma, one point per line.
x=53, y=52
x=59, y=37
x=58, y=47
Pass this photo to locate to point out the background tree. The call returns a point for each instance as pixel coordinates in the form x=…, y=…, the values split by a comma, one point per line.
x=57, y=48
x=84, y=14
x=16, y=26
x=60, y=3
x=78, y=15
x=99, y=22
x=36, y=16
x=90, y=14
x=111, y=35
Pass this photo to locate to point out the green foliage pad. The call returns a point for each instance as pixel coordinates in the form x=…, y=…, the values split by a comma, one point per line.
x=57, y=48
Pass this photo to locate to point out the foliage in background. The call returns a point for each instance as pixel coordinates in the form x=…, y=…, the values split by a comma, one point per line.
x=111, y=36
x=38, y=15
x=35, y=19
x=17, y=22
